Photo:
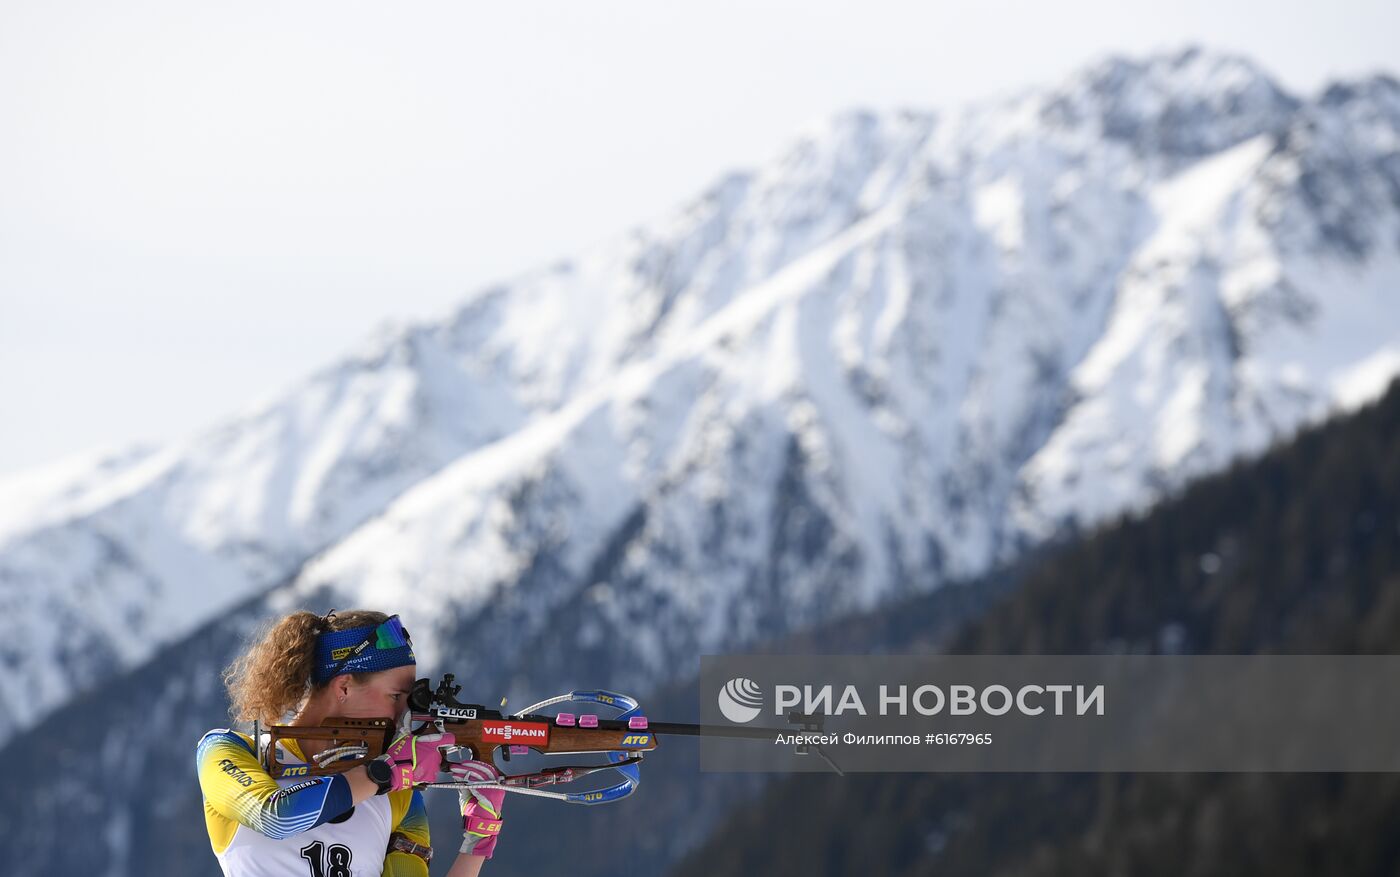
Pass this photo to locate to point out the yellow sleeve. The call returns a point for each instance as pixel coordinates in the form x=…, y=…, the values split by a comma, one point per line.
x=410, y=818
x=237, y=791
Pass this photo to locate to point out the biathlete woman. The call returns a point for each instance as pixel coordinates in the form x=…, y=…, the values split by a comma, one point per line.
x=366, y=821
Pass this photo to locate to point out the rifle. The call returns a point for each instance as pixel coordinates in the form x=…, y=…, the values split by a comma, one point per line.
x=482, y=734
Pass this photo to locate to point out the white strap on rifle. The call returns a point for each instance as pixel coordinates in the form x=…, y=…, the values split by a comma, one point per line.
x=336, y=753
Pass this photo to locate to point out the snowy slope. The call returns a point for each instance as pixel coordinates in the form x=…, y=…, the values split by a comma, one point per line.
x=104, y=561
x=902, y=349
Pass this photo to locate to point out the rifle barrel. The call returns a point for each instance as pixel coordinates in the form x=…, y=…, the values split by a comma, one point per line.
x=691, y=729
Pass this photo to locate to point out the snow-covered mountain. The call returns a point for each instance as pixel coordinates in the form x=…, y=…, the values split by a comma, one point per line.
x=908, y=346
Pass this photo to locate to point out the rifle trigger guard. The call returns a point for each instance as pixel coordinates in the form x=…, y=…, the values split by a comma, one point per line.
x=457, y=754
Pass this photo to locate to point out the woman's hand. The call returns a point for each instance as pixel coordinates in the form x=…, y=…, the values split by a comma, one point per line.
x=415, y=759
x=481, y=808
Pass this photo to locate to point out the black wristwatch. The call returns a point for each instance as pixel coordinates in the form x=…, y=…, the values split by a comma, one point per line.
x=381, y=773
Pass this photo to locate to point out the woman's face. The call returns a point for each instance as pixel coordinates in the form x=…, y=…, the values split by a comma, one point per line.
x=381, y=694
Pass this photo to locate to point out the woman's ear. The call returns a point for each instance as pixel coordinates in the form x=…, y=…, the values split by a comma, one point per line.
x=340, y=687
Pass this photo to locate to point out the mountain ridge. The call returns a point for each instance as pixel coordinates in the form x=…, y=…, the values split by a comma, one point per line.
x=1042, y=323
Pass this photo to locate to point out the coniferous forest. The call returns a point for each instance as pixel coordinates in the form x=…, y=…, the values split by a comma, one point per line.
x=1295, y=552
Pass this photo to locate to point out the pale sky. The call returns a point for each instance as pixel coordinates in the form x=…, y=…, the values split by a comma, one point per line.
x=202, y=202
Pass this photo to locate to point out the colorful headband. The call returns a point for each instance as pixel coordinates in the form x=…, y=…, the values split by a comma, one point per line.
x=362, y=650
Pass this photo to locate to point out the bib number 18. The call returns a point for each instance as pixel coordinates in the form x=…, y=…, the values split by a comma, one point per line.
x=332, y=862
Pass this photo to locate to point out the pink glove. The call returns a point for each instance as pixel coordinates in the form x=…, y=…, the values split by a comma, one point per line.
x=481, y=808
x=416, y=759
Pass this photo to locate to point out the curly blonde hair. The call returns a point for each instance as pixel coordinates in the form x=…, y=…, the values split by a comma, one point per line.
x=272, y=678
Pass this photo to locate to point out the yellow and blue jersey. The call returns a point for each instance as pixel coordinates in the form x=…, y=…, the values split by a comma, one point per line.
x=307, y=827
